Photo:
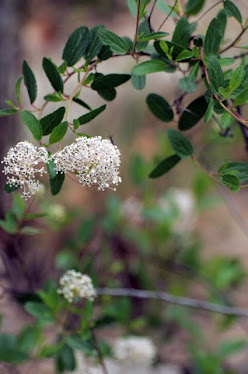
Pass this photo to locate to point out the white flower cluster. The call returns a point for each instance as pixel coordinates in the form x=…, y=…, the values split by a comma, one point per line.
x=74, y=285
x=94, y=161
x=135, y=350
x=22, y=163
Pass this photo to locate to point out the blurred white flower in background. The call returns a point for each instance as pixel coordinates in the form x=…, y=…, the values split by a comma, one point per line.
x=57, y=213
x=180, y=204
x=132, y=210
x=74, y=285
x=135, y=351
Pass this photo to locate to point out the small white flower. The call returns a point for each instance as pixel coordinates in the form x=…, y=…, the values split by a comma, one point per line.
x=22, y=165
x=135, y=350
x=74, y=285
x=57, y=213
x=94, y=161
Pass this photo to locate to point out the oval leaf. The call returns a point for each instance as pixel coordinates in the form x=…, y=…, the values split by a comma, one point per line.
x=29, y=81
x=115, y=42
x=180, y=143
x=7, y=112
x=213, y=37
x=76, y=45
x=215, y=73
x=232, y=10
x=193, y=113
x=164, y=166
x=91, y=115
x=160, y=107
x=32, y=124
x=49, y=122
x=230, y=181
x=148, y=67
x=53, y=75
x=58, y=132
x=138, y=82
x=109, y=81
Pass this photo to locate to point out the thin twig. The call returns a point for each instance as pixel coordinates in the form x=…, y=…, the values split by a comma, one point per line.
x=172, y=9
x=208, y=10
x=150, y=15
x=234, y=41
x=137, y=27
x=99, y=352
x=183, y=301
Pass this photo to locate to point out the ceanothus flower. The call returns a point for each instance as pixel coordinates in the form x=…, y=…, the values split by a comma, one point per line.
x=74, y=285
x=94, y=161
x=22, y=165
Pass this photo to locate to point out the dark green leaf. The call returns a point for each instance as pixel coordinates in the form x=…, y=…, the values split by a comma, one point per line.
x=213, y=37
x=81, y=102
x=138, y=82
x=53, y=75
x=115, y=42
x=226, y=120
x=56, y=179
x=186, y=84
x=7, y=112
x=95, y=44
x=230, y=181
x=107, y=94
x=30, y=81
x=58, y=132
x=104, y=82
x=76, y=342
x=216, y=76
x=159, y=107
x=144, y=29
x=242, y=98
x=164, y=166
x=232, y=10
x=222, y=18
x=91, y=115
x=9, y=189
x=28, y=338
x=181, y=34
x=62, y=67
x=193, y=7
x=49, y=122
x=148, y=67
x=65, y=360
x=193, y=113
x=105, y=53
x=176, y=49
x=32, y=124
x=17, y=88
x=180, y=143
x=239, y=169
x=76, y=45
x=39, y=310
x=10, y=351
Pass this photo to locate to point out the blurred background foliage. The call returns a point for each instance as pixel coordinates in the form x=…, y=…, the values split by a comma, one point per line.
x=180, y=233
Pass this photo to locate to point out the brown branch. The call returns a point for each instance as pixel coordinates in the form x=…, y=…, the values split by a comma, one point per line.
x=172, y=9
x=234, y=41
x=208, y=10
x=99, y=352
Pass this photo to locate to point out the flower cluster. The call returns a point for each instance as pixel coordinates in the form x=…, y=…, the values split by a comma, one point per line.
x=94, y=161
x=22, y=163
x=134, y=350
x=74, y=285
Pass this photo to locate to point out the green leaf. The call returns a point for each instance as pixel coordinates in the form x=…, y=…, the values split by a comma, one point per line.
x=82, y=103
x=148, y=67
x=226, y=61
x=105, y=53
x=166, y=9
x=181, y=34
x=19, y=207
x=239, y=169
x=232, y=10
x=62, y=67
x=9, y=189
x=32, y=124
x=115, y=42
x=49, y=122
x=29, y=81
x=160, y=107
x=53, y=97
x=56, y=180
x=58, y=132
x=76, y=45
x=194, y=71
x=28, y=338
x=224, y=92
x=242, y=98
x=184, y=55
x=10, y=351
x=164, y=166
x=187, y=85
x=138, y=82
x=230, y=181
x=7, y=112
x=39, y=311
x=107, y=94
x=76, y=342
x=17, y=89
x=167, y=49
x=180, y=143
x=193, y=7
x=65, y=360
x=215, y=73
x=143, y=29
x=95, y=44
x=213, y=37
x=91, y=115
x=209, y=111
x=132, y=5
x=53, y=75
x=104, y=82
x=230, y=347
x=193, y=113
x=237, y=78
x=153, y=35
x=226, y=120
